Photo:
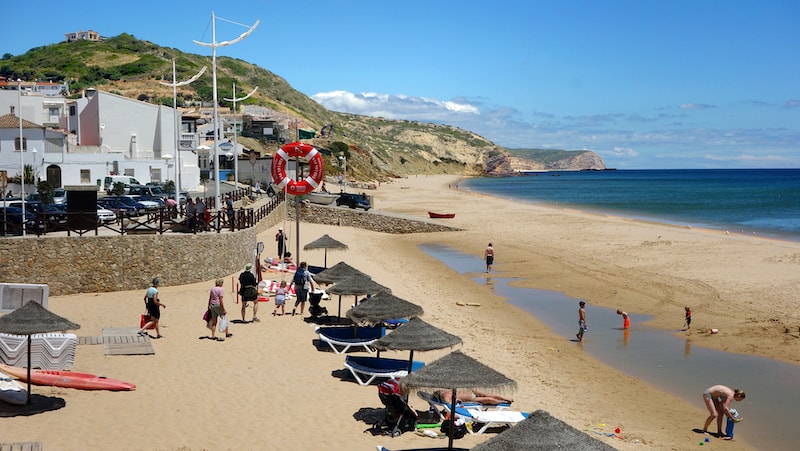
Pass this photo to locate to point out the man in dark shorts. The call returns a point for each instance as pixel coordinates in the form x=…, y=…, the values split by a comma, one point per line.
x=248, y=289
x=303, y=282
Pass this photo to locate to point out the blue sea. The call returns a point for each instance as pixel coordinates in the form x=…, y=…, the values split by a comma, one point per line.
x=764, y=202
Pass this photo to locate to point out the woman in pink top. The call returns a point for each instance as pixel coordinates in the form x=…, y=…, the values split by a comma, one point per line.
x=217, y=308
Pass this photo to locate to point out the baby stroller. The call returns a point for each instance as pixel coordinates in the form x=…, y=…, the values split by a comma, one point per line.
x=399, y=416
x=315, y=309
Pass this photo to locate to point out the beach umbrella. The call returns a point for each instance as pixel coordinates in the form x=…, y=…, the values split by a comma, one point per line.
x=415, y=335
x=325, y=242
x=381, y=307
x=31, y=319
x=452, y=372
x=356, y=285
x=335, y=273
x=542, y=431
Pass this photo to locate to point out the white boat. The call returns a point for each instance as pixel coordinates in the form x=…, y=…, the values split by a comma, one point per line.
x=12, y=391
x=321, y=198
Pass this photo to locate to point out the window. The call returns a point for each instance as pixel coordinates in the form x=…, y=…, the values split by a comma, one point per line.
x=24, y=143
x=86, y=176
x=128, y=172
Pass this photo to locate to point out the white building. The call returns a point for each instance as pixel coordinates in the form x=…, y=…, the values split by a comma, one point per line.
x=103, y=134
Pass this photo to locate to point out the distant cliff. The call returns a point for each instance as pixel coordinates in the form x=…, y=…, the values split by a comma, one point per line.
x=553, y=159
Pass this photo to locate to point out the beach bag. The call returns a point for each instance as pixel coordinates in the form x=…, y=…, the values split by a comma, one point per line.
x=223, y=323
x=459, y=431
x=207, y=315
x=144, y=320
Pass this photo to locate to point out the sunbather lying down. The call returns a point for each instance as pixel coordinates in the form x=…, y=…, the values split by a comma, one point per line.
x=463, y=396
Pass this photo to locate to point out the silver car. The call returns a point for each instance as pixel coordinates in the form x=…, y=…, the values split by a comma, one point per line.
x=105, y=216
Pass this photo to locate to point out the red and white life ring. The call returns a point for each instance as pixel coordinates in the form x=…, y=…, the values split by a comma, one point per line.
x=297, y=150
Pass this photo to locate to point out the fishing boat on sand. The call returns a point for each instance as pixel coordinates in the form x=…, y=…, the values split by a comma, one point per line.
x=321, y=198
x=441, y=215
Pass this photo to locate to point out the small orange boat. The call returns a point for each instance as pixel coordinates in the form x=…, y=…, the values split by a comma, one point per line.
x=68, y=379
x=441, y=215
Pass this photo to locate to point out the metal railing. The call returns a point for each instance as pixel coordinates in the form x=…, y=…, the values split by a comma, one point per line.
x=160, y=221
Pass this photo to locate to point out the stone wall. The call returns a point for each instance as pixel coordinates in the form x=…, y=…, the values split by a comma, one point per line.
x=96, y=264
x=365, y=220
x=92, y=264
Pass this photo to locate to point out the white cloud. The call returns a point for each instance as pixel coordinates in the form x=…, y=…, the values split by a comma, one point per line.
x=695, y=106
x=623, y=139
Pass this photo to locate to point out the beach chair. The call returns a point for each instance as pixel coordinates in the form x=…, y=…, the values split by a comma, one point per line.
x=367, y=369
x=341, y=339
x=482, y=415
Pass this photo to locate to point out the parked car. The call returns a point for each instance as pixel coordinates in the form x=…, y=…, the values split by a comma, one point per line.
x=148, y=191
x=39, y=215
x=109, y=181
x=150, y=203
x=353, y=201
x=118, y=208
x=11, y=221
x=104, y=215
x=59, y=196
x=123, y=204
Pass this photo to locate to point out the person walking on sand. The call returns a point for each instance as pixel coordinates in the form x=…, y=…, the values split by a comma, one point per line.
x=216, y=305
x=248, y=289
x=583, y=326
x=718, y=400
x=626, y=320
x=688, y=321
x=280, y=298
x=488, y=255
x=153, y=305
x=303, y=283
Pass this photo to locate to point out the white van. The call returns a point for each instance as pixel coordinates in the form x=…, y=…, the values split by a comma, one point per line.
x=108, y=183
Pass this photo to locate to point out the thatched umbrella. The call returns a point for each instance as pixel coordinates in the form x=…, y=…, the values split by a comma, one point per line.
x=415, y=335
x=356, y=285
x=452, y=372
x=31, y=319
x=381, y=307
x=325, y=242
x=542, y=431
x=337, y=272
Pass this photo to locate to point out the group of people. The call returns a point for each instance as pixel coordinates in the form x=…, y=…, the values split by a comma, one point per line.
x=717, y=398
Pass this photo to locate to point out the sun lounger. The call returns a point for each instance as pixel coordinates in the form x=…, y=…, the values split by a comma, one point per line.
x=489, y=418
x=367, y=369
x=487, y=415
x=341, y=339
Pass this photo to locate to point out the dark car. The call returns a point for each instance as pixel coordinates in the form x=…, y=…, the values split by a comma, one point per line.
x=118, y=208
x=39, y=215
x=116, y=203
x=353, y=201
x=11, y=220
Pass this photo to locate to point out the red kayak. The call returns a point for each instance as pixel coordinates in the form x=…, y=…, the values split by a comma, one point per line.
x=68, y=379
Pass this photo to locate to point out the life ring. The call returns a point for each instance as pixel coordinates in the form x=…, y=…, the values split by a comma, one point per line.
x=297, y=150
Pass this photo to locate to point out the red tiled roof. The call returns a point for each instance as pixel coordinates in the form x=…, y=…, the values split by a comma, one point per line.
x=12, y=121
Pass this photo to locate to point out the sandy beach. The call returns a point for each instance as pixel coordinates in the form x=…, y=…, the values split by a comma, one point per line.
x=268, y=387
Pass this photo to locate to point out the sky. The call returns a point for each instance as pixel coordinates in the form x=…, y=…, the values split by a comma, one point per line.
x=647, y=84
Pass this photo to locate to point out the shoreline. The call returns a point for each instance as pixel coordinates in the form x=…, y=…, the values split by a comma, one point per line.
x=195, y=394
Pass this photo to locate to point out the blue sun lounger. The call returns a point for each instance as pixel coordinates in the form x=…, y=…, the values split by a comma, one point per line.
x=341, y=339
x=367, y=369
